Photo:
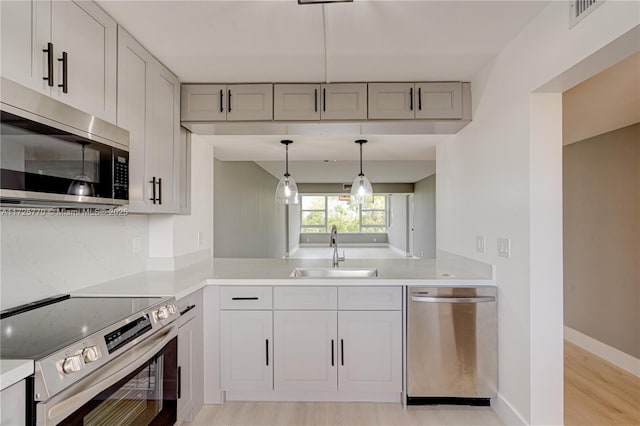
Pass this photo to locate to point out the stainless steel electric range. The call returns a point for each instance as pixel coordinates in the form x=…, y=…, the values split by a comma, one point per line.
x=98, y=360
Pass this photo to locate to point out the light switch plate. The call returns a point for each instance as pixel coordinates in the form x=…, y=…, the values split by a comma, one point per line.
x=135, y=244
x=200, y=238
x=480, y=244
x=504, y=247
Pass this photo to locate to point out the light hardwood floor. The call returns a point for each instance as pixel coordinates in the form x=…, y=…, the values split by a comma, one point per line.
x=341, y=414
x=597, y=392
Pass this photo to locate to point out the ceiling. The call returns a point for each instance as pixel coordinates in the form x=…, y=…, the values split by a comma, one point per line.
x=281, y=41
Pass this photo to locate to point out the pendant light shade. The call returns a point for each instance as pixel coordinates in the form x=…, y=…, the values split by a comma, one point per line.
x=287, y=190
x=361, y=190
x=81, y=185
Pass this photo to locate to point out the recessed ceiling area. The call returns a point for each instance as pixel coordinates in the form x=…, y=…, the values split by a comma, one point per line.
x=282, y=41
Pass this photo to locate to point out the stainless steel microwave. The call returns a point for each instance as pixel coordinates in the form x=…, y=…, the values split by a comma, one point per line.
x=52, y=154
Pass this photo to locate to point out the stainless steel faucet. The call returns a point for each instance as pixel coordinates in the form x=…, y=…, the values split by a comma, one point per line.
x=333, y=242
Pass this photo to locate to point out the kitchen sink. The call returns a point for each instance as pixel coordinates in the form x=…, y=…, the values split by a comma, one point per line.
x=334, y=273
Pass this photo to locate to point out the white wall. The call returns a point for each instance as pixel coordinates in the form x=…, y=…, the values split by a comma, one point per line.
x=397, y=229
x=502, y=177
x=424, y=218
x=294, y=226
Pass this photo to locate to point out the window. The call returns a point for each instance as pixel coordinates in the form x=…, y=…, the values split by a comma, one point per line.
x=320, y=212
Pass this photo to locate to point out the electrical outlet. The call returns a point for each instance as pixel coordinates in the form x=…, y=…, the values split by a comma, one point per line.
x=504, y=247
x=135, y=245
x=480, y=244
x=200, y=238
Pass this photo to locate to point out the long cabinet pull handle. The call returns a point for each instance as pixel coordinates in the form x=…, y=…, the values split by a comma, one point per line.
x=315, y=100
x=221, y=100
x=153, y=189
x=341, y=351
x=411, y=98
x=159, y=190
x=49, y=52
x=229, y=105
x=332, y=360
x=179, y=382
x=433, y=299
x=65, y=64
x=244, y=298
x=324, y=99
x=419, y=98
x=267, y=350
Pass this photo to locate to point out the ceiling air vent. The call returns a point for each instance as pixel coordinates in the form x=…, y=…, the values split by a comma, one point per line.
x=581, y=8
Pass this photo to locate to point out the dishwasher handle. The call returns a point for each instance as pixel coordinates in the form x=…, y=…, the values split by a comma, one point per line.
x=433, y=299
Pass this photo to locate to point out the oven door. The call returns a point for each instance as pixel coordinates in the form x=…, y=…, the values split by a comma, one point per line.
x=137, y=388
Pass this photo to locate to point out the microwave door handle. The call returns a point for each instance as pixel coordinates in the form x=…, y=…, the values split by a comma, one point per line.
x=70, y=399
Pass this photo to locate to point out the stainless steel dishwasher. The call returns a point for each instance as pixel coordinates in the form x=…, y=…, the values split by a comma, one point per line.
x=452, y=345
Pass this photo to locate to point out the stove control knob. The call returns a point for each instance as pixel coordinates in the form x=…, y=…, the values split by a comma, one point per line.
x=172, y=309
x=72, y=364
x=90, y=354
x=162, y=313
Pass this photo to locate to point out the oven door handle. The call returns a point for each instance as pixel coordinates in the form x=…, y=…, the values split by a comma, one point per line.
x=72, y=398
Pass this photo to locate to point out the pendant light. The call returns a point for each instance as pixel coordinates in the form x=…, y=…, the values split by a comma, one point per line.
x=361, y=190
x=287, y=190
x=81, y=184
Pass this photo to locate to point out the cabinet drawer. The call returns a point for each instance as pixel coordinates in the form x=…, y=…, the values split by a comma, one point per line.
x=189, y=307
x=370, y=298
x=319, y=298
x=246, y=297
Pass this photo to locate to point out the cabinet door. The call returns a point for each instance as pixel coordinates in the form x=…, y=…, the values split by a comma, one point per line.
x=344, y=101
x=305, y=350
x=391, y=101
x=246, y=102
x=88, y=36
x=14, y=404
x=134, y=88
x=185, y=370
x=25, y=30
x=203, y=102
x=246, y=350
x=439, y=100
x=370, y=351
x=296, y=102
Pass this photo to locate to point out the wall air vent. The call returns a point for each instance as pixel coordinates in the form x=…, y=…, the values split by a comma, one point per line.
x=346, y=187
x=581, y=8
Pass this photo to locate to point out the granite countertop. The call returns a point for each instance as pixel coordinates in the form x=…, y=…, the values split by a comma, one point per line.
x=14, y=370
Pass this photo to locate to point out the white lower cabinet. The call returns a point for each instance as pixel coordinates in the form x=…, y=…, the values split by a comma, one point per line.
x=14, y=404
x=305, y=350
x=370, y=351
x=246, y=350
x=190, y=357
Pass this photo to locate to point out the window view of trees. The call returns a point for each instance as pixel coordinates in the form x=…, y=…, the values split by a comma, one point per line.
x=321, y=212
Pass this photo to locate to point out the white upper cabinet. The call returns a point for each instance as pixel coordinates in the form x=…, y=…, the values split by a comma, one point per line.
x=233, y=102
x=84, y=40
x=391, y=101
x=439, y=100
x=25, y=30
x=344, y=101
x=65, y=49
x=296, y=102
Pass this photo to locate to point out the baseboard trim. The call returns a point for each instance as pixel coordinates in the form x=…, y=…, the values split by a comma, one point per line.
x=507, y=413
x=604, y=351
x=314, y=396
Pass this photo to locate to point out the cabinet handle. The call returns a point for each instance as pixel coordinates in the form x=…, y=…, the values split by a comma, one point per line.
x=324, y=99
x=332, y=360
x=315, y=100
x=179, y=382
x=159, y=190
x=187, y=309
x=229, y=105
x=49, y=77
x=65, y=61
x=341, y=352
x=267, y=350
x=244, y=298
x=153, y=189
x=419, y=98
x=411, y=98
x=221, y=101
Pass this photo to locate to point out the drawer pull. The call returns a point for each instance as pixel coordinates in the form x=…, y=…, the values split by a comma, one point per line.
x=244, y=298
x=187, y=309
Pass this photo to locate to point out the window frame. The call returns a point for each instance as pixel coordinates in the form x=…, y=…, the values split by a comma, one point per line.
x=361, y=228
x=302, y=211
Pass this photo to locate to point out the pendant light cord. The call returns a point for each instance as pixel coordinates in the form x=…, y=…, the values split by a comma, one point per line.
x=361, y=174
x=286, y=173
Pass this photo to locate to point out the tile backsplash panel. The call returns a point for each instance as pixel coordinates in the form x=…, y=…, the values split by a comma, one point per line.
x=48, y=255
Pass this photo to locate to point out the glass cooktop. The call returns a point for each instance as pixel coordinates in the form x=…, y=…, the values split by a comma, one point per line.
x=39, y=332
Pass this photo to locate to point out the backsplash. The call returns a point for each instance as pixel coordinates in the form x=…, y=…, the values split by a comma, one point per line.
x=47, y=255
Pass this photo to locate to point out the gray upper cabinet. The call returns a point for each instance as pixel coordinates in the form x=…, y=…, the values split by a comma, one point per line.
x=439, y=100
x=296, y=102
x=392, y=101
x=76, y=40
x=221, y=102
x=344, y=101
